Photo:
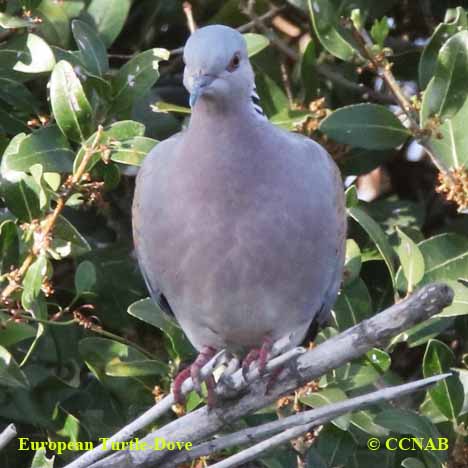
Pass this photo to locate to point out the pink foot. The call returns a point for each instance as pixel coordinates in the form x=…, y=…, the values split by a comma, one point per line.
x=260, y=356
x=193, y=371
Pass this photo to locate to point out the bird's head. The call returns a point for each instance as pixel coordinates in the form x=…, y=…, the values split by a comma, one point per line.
x=217, y=66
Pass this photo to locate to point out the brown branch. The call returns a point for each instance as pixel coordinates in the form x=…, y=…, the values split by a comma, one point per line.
x=67, y=189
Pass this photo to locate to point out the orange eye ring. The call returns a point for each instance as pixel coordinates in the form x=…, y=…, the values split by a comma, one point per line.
x=234, y=63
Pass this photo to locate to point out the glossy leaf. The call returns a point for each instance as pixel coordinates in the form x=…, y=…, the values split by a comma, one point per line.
x=412, y=463
x=22, y=198
x=132, y=151
x=85, y=277
x=33, y=280
x=46, y=146
x=109, y=17
x=55, y=24
x=442, y=32
x=452, y=147
x=352, y=261
x=13, y=332
x=112, y=137
x=325, y=397
x=12, y=22
x=379, y=31
x=448, y=395
x=447, y=92
x=27, y=53
x=41, y=460
x=325, y=20
x=352, y=305
x=377, y=235
x=68, y=240
x=70, y=105
x=149, y=312
x=9, y=246
x=369, y=126
x=92, y=49
x=255, y=43
x=335, y=446
x=364, y=420
x=115, y=368
x=10, y=373
x=411, y=259
x=136, y=77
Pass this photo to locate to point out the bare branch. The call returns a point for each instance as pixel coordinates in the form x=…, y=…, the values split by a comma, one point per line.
x=306, y=420
x=336, y=351
x=7, y=435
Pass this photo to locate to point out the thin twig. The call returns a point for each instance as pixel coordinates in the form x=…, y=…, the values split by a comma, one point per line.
x=50, y=221
x=297, y=425
x=188, y=11
x=7, y=435
x=244, y=28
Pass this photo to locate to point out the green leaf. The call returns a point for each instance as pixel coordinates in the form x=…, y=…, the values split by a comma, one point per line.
x=446, y=259
x=9, y=246
x=55, y=25
x=22, y=198
x=448, y=394
x=13, y=22
x=380, y=30
x=13, y=332
x=352, y=305
x=364, y=420
x=69, y=103
x=377, y=235
x=149, y=312
x=309, y=76
x=166, y=107
x=335, y=446
x=67, y=240
x=116, y=368
x=136, y=77
x=100, y=354
x=46, y=146
x=17, y=95
x=452, y=147
x=92, y=49
x=273, y=98
x=325, y=19
x=26, y=53
x=111, y=138
x=325, y=397
x=352, y=262
x=411, y=259
x=447, y=91
x=412, y=463
x=428, y=61
x=369, y=126
x=351, y=196
x=109, y=17
x=358, y=373
x=132, y=151
x=361, y=161
x=40, y=459
x=255, y=43
x=10, y=373
x=85, y=277
x=404, y=421
x=32, y=282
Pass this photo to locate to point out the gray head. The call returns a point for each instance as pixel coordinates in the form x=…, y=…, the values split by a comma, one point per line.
x=217, y=66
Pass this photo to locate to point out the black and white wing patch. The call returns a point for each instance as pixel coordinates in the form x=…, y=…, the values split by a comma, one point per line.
x=256, y=103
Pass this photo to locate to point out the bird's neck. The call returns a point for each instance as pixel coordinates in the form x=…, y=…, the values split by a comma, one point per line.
x=209, y=115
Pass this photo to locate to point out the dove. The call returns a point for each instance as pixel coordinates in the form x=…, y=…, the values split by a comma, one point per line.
x=239, y=226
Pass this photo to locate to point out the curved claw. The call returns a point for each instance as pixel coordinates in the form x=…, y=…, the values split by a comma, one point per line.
x=194, y=372
x=251, y=357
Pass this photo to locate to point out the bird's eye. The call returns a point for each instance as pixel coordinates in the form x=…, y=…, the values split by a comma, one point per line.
x=234, y=63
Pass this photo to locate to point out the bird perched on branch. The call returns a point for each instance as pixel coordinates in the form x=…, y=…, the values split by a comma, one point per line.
x=239, y=226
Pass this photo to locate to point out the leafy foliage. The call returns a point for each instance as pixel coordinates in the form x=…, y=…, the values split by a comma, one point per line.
x=89, y=87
